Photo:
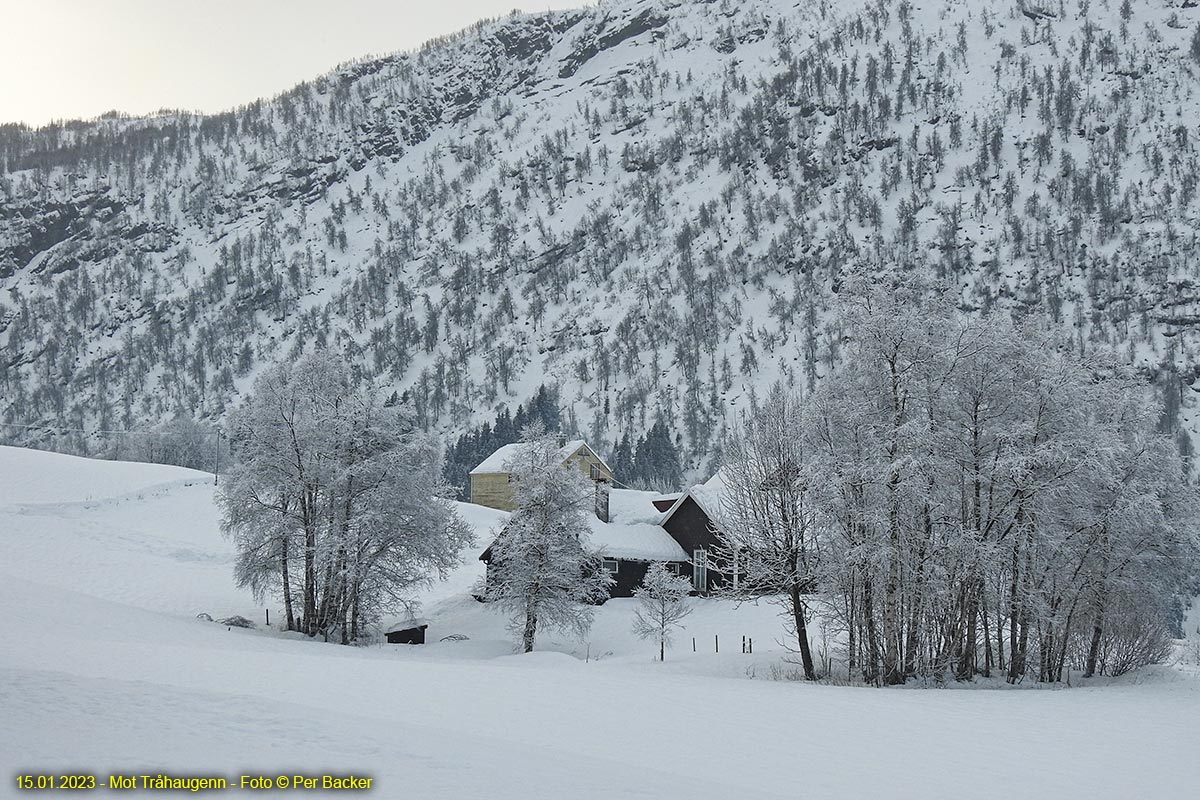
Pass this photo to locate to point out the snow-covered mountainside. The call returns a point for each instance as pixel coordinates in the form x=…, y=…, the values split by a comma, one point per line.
x=650, y=204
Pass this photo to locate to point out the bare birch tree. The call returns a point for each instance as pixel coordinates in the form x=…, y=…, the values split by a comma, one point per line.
x=766, y=528
x=662, y=603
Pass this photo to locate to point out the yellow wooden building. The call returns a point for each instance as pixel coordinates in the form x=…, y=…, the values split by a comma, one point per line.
x=491, y=481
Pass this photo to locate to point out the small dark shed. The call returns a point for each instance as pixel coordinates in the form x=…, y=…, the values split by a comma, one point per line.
x=410, y=631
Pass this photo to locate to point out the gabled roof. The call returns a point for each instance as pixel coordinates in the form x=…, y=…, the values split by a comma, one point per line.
x=499, y=461
x=707, y=495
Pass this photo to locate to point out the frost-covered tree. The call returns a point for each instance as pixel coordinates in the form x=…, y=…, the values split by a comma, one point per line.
x=662, y=603
x=766, y=530
x=987, y=498
x=542, y=570
x=333, y=500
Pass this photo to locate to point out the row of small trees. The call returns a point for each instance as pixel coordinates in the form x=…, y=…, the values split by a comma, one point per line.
x=963, y=497
x=649, y=462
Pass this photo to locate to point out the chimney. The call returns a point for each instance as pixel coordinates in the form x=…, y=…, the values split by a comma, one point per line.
x=602, y=501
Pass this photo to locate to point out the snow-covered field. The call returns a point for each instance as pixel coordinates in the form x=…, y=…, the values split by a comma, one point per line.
x=105, y=669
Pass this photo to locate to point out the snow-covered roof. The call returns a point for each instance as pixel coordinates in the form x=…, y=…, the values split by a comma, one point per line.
x=500, y=461
x=707, y=495
x=484, y=521
x=632, y=540
x=635, y=541
x=631, y=505
x=408, y=624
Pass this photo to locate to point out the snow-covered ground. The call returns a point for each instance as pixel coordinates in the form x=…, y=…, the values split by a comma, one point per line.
x=105, y=669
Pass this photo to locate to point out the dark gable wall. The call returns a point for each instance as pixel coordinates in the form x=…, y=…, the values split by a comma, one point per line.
x=689, y=526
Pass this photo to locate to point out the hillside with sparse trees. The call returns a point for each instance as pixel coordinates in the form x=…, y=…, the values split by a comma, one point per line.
x=648, y=207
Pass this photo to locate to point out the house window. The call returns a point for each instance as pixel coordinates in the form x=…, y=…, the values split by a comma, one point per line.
x=700, y=569
x=611, y=565
x=595, y=472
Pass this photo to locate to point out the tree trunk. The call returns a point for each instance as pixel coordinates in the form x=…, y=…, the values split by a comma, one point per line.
x=913, y=644
x=802, y=632
x=892, y=671
x=287, y=586
x=1000, y=623
x=530, y=629
x=310, y=569
x=871, y=658
x=354, y=613
x=987, y=638
x=1018, y=620
x=851, y=628
x=1014, y=613
x=1066, y=639
x=1094, y=650
x=970, y=642
x=1098, y=625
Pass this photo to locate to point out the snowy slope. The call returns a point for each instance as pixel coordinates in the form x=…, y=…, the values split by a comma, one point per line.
x=106, y=669
x=39, y=478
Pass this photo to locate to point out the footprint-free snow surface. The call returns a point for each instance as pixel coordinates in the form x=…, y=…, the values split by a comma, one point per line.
x=105, y=669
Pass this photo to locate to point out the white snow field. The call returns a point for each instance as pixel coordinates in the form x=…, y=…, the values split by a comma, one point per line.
x=106, y=670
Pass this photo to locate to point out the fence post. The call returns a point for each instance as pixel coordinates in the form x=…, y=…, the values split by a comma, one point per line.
x=693, y=644
x=716, y=643
x=268, y=617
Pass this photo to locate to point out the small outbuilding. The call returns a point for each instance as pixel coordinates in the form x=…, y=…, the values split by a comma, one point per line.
x=409, y=631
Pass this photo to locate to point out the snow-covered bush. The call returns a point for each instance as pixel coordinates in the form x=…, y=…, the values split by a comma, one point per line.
x=1136, y=635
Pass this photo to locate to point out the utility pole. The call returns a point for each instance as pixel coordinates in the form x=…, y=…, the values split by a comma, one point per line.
x=217, y=460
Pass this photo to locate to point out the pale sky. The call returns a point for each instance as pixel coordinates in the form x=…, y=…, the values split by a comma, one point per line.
x=63, y=59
